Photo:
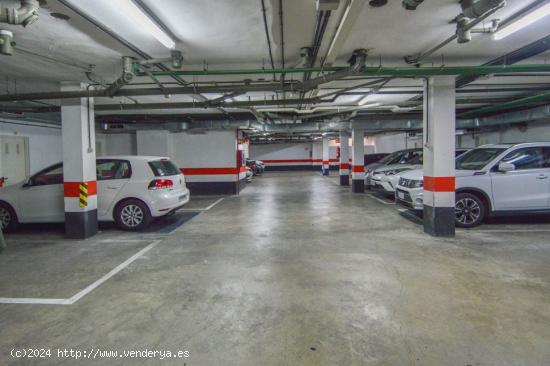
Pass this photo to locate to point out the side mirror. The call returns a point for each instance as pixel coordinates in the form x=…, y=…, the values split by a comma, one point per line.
x=28, y=183
x=506, y=167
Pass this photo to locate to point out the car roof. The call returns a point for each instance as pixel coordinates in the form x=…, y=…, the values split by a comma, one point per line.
x=133, y=157
x=515, y=144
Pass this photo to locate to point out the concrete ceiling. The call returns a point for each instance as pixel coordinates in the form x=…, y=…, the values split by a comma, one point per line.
x=230, y=34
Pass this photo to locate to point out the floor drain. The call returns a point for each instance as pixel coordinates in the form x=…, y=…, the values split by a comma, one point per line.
x=313, y=348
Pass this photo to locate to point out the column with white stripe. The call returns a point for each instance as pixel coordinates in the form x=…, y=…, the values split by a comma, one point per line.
x=326, y=156
x=79, y=164
x=439, y=155
x=358, y=161
x=344, y=158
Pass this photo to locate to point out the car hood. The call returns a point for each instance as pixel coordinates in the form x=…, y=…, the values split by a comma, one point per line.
x=418, y=174
x=10, y=192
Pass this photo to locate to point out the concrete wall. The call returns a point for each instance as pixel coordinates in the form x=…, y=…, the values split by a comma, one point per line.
x=208, y=160
x=116, y=144
x=44, y=143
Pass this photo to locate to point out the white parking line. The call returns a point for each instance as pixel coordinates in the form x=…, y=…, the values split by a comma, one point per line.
x=87, y=290
x=381, y=200
x=202, y=209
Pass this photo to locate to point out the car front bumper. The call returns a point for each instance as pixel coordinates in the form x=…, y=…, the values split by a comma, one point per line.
x=411, y=198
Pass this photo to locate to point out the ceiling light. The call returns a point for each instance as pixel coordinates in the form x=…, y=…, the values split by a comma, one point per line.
x=372, y=105
x=133, y=12
x=522, y=22
x=364, y=99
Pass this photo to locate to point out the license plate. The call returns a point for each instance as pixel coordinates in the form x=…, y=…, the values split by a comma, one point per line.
x=182, y=198
x=401, y=195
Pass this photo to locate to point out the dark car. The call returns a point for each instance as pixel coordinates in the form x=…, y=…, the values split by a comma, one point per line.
x=374, y=158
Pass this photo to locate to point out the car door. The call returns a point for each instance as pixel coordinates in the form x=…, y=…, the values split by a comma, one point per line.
x=526, y=187
x=112, y=176
x=41, y=199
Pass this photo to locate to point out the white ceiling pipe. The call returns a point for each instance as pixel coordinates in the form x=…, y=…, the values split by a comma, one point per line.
x=24, y=15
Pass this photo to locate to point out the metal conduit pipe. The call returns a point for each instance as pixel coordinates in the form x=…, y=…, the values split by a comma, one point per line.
x=385, y=71
x=541, y=98
x=25, y=15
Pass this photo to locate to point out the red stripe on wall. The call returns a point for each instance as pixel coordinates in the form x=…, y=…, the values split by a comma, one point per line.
x=72, y=189
x=439, y=184
x=345, y=166
x=242, y=169
x=358, y=169
x=210, y=171
x=288, y=161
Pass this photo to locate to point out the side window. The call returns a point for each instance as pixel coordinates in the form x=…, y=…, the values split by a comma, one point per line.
x=546, y=153
x=113, y=169
x=53, y=175
x=527, y=158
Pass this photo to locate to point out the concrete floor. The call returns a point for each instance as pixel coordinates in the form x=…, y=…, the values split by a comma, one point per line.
x=295, y=271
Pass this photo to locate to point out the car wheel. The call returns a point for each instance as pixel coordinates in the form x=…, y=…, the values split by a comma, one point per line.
x=469, y=210
x=8, y=218
x=132, y=215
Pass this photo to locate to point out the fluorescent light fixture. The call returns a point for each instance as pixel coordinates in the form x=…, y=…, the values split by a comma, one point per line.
x=134, y=13
x=522, y=22
x=364, y=99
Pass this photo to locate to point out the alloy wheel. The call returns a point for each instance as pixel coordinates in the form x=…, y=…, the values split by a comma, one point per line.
x=5, y=218
x=132, y=215
x=467, y=211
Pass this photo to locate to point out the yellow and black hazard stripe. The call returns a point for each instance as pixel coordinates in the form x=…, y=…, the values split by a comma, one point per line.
x=83, y=191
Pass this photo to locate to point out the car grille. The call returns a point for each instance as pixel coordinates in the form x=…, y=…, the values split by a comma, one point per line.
x=406, y=201
x=407, y=183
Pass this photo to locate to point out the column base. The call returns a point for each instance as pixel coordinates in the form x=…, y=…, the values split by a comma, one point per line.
x=344, y=180
x=80, y=225
x=358, y=186
x=439, y=221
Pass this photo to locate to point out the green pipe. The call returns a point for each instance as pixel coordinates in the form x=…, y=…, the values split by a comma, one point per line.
x=386, y=71
x=508, y=105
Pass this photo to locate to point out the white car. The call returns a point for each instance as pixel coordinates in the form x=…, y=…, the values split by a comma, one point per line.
x=385, y=178
x=491, y=180
x=131, y=190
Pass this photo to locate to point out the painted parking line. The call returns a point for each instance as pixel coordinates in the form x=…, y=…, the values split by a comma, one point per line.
x=380, y=200
x=73, y=299
x=201, y=209
x=508, y=231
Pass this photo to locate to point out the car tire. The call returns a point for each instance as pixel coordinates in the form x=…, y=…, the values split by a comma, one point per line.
x=8, y=218
x=132, y=215
x=470, y=210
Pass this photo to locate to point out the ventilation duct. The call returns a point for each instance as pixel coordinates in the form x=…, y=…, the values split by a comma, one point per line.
x=25, y=15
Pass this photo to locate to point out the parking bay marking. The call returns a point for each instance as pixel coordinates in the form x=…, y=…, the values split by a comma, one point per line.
x=87, y=290
x=201, y=209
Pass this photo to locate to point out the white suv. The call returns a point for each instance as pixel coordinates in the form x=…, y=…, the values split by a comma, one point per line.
x=491, y=180
x=131, y=190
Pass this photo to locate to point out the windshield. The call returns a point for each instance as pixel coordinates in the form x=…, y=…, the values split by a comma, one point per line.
x=476, y=159
x=391, y=158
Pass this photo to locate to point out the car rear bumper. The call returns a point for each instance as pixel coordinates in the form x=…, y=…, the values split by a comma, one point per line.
x=170, y=201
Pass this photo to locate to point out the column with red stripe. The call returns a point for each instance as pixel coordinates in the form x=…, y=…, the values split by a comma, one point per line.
x=344, y=158
x=326, y=156
x=79, y=164
x=358, y=161
x=439, y=156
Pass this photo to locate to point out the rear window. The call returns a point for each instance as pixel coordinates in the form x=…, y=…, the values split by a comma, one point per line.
x=163, y=168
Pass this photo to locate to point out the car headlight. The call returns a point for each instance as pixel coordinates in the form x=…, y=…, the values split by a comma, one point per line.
x=417, y=184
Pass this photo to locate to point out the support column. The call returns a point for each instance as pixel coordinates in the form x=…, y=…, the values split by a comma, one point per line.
x=326, y=157
x=79, y=164
x=439, y=156
x=358, y=161
x=344, y=158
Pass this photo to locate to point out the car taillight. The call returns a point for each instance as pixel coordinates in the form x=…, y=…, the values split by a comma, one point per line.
x=161, y=184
